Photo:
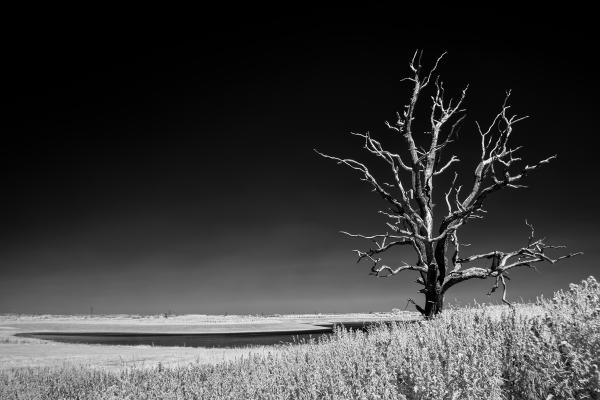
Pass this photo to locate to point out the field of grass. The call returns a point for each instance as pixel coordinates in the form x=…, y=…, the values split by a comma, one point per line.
x=550, y=351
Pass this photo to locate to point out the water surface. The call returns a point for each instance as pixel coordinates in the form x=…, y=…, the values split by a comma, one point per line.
x=227, y=339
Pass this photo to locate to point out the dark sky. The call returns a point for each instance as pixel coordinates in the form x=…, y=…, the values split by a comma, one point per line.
x=153, y=166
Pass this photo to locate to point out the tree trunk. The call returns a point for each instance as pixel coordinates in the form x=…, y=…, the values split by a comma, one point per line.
x=434, y=301
x=434, y=297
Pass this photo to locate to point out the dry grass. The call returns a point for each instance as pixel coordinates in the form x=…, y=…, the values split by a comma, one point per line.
x=14, y=340
x=203, y=320
x=481, y=353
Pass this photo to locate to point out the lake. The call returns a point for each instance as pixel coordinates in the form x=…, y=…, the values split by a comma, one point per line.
x=210, y=340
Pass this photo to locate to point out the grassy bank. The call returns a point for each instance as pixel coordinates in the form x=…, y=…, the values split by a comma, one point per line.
x=479, y=353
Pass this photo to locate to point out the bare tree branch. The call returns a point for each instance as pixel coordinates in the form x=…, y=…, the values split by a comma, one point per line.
x=502, y=262
x=377, y=271
x=367, y=177
x=453, y=159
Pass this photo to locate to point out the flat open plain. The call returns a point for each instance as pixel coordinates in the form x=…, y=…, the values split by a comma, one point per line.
x=21, y=352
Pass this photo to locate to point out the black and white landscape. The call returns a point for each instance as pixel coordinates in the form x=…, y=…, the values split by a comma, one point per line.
x=320, y=205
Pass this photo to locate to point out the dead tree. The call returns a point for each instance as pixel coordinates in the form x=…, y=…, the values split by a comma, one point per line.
x=410, y=211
